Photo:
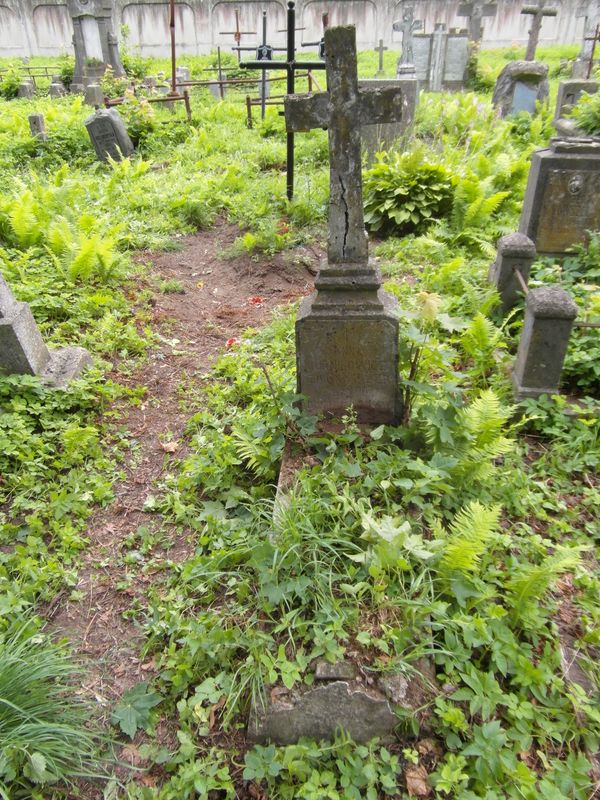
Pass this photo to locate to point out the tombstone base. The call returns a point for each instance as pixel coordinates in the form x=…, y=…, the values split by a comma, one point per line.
x=65, y=364
x=347, y=353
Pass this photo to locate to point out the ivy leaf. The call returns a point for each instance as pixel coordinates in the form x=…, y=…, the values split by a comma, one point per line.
x=133, y=711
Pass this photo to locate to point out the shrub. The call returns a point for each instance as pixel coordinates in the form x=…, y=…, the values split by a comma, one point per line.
x=67, y=70
x=404, y=193
x=11, y=80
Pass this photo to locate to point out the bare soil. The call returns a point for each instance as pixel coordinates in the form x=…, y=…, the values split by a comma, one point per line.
x=219, y=298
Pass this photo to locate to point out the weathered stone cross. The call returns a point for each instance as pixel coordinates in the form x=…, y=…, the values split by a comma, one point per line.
x=346, y=333
x=475, y=12
x=380, y=49
x=538, y=12
x=408, y=27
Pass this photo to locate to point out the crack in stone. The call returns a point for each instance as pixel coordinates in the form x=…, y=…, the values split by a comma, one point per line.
x=346, y=215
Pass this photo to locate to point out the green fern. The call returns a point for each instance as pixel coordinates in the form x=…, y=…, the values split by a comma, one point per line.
x=25, y=220
x=253, y=448
x=530, y=584
x=471, y=533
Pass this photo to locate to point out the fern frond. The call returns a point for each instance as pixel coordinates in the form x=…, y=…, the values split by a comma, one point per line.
x=532, y=582
x=471, y=532
x=24, y=220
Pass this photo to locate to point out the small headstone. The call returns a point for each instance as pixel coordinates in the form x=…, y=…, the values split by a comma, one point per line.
x=109, y=136
x=57, y=89
x=37, y=126
x=562, y=199
x=215, y=89
x=23, y=351
x=515, y=252
x=521, y=85
x=26, y=90
x=384, y=135
x=549, y=315
x=569, y=93
x=347, y=332
x=94, y=96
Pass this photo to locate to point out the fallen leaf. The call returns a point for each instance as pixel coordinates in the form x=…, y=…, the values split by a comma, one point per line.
x=132, y=755
x=416, y=781
x=233, y=342
x=169, y=447
x=213, y=711
x=257, y=300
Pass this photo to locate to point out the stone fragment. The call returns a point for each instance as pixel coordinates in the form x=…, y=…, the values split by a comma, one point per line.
x=341, y=670
x=521, y=85
x=319, y=712
x=26, y=90
x=37, y=126
x=549, y=315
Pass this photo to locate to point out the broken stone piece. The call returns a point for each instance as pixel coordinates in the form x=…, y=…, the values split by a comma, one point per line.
x=340, y=671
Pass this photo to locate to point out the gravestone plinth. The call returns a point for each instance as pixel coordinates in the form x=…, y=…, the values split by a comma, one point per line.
x=347, y=332
x=57, y=89
x=23, y=351
x=521, y=85
x=26, y=90
x=109, y=136
x=562, y=199
x=515, y=252
x=549, y=316
x=93, y=96
x=384, y=135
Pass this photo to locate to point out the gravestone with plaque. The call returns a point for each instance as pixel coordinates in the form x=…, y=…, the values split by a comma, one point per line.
x=569, y=93
x=520, y=86
x=109, y=136
x=562, y=199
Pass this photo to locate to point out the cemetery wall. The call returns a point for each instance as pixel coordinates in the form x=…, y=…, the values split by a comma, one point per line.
x=34, y=27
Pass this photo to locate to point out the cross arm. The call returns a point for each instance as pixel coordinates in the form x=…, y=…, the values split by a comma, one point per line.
x=546, y=12
x=303, y=112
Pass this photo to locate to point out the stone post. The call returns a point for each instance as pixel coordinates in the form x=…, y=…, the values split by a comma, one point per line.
x=438, y=57
x=549, y=316
x=26, y=90
x=93, y=95
x=37, y=126
x=515, y=252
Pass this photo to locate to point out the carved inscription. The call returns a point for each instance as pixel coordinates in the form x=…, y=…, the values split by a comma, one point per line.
x=570, y=207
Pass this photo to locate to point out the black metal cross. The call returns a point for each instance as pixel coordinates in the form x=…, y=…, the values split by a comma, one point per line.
x=264, y=52
x=291, y=66
x=538, y=13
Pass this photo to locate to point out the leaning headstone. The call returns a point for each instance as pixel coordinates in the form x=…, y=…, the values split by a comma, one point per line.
x=520, y=86
x=549, y=315
x=23, y=351
x=516, y=252
x=384, y=135
x=26, y=90
x=347, y=332
x=562, y=199
x=109, y=136
x=93, y=96
x=37, y=126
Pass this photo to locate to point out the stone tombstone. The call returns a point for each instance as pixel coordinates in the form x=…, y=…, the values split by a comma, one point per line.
x=515, y=252
x=422, y=55
x=93, y=39
x=385, y=134
x=441, y=59
x=569, y=93
x=26, y=90
x=347, y=331
x=521, y=85
x=93, y=95
x=37, y=126
x=549, y=315
x=23, y=351
x=108, y=134
x=456, y=61
x=537, y=12
x=562, y=199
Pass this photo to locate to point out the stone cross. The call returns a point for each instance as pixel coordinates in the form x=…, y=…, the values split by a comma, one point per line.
x=380, y=49
x=347, y=334
x=408, y=26
x=591, y=13
x=23, y=351
x=476, y=11
x=538, y=12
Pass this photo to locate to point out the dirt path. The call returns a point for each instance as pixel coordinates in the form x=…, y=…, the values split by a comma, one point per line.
x=221, y=298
